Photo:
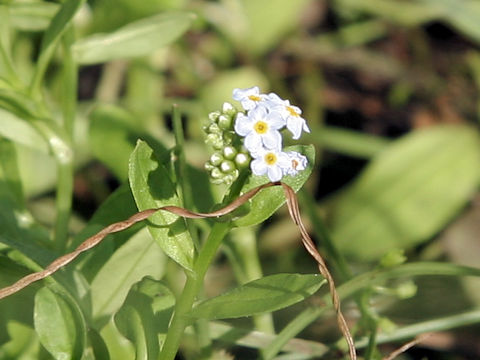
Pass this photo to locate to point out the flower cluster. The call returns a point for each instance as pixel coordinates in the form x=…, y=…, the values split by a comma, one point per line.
x=259, y=126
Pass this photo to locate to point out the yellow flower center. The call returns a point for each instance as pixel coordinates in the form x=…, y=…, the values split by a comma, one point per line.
x=292, y=111
x=254, y=97
x=260, y=127
x=270, y=158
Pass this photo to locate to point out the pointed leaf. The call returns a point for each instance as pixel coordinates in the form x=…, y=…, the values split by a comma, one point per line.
x=265, y=203
x=152, y=188
x=138, y=38
x=267, y=294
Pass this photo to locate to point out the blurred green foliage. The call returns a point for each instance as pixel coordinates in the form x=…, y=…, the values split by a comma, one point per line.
x=390, y=90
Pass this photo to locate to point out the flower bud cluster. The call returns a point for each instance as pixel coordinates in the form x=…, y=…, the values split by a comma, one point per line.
x=229, y=155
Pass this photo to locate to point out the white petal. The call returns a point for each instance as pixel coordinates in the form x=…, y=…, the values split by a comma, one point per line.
x=253, y=142
x=243, y=125
x=258, y=167
x=275, y=98
x=275, y=120
x=295, y=127
x=305, y=127
x=274, y=173
x=258, y=113
x=239, y=94
x=283, y=160
x=272, y=140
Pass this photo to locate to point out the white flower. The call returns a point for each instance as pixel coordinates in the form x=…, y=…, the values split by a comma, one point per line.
x=260, y=129
x=292, y=114
x=270, y=162
x=297, y=163
x=249, y=98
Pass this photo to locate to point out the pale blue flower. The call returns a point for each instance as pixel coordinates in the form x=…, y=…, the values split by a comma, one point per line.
x=297, y=163
x=273, y=163
x=292, y=114
x=249, y=98
x=260, y=128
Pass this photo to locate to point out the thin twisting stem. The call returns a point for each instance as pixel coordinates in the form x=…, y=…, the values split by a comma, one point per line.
x=293, y=209
x=308, y=243
x=119, y=226
x=406, y=346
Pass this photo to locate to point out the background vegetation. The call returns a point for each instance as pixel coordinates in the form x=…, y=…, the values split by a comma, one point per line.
x=390, y=90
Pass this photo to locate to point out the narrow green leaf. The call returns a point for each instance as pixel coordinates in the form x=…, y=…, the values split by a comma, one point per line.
x=152, y=188
x=21, y=132
x=138, y=38
x=56, y=28
x=59, y=23
x=409, y=192
x=55, y=326
x=265, y=203
x=138, y=257
x=267, y=294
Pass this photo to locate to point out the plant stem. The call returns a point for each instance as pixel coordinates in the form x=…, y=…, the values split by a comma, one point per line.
x=194, y=282
x=180, y=319
x=69, y=83
x=181, y=171
x=242, y=252
x=63, y=154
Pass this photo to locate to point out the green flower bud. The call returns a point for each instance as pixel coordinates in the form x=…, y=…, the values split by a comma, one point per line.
x=228, y=137
x=229, y=109
x=229, y=152
x=214, y=129
x=227, y=166
x=215, y=140
x=208, y=166
x=213, y=116
x=216, y=158
x=242, y=160
x=225, y=122
x=216, y=174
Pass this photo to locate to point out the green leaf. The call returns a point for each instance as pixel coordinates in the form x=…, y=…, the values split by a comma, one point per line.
x=18, y=130
x=32, y=16
x=152, y=188
x=138, y=257
x=265, y=203
x=55, y=325
x=59, y=23
x=119, y=206
x=138, y=38
x=145, y=313
x=409, y=192
x=267, y=294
